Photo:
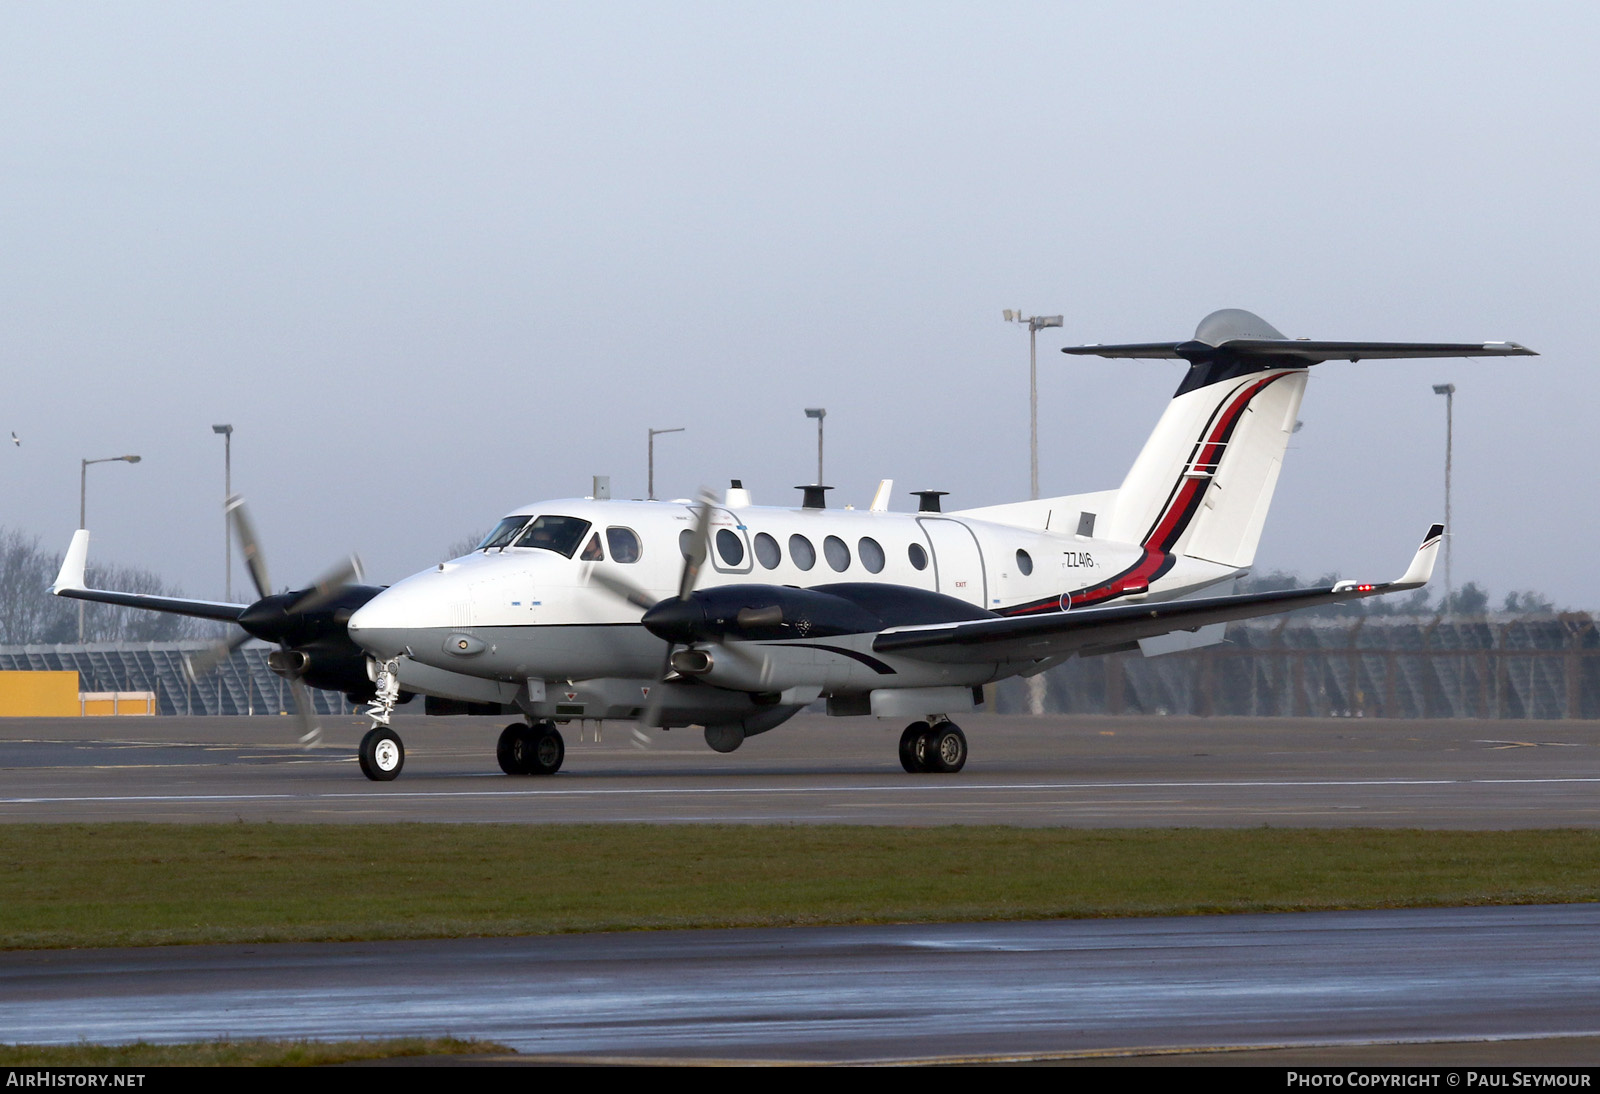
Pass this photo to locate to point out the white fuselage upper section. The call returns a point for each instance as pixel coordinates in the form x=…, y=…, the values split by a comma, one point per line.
x=992, y=565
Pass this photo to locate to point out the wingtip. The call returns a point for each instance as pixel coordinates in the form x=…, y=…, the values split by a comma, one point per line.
x=73, y=564
x=1421, y=569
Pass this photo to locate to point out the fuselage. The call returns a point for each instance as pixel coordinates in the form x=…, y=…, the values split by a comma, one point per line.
x=515, y=611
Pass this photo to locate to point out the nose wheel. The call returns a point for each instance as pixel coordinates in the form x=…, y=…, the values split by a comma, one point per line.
x=382, y=754
x=530, y=750
x=930, y=749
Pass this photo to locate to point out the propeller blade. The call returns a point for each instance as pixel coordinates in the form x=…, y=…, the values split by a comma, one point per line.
x=694, y=558
x=652, y=710
x=699, y=543
x=326, y=587
x=204, y=662
x=310, y=729
x=249, y=546
x=622, y=588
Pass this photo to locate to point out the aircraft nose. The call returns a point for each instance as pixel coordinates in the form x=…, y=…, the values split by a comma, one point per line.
x=386, y=625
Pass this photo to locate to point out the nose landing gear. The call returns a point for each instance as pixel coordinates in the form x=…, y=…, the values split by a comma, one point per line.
x=382, y=755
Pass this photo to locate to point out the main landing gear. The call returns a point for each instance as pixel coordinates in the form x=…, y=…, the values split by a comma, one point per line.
x=938, y=748
x=531, y=750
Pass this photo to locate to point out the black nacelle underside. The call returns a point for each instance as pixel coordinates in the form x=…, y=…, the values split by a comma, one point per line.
x=333, y=661
x=777, y=612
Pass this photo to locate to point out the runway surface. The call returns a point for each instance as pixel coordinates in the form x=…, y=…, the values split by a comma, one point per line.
x=1082, y=988
x=1083, y=772
x=1343, y=979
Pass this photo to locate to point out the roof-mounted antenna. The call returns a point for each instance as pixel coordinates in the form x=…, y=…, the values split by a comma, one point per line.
x=814, y=497
x=930, y=500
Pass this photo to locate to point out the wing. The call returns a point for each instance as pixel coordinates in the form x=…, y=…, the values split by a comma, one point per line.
x=1034, y=638
x=70, y=583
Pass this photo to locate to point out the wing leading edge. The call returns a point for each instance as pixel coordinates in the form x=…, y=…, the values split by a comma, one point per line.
x=1033, y=638
x=70, y=583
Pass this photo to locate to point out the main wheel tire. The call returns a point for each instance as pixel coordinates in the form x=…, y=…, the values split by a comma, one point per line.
x=914, y=748
x=947, y=749
x=548, y=750
x=382, y=755
x=515, y=748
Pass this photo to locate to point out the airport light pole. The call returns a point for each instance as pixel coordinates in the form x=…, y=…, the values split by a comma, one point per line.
x=83, y=509
x=227, y=495
x=651, y=494
x=1449, y=393
x=818, y=413
x=1036, y=323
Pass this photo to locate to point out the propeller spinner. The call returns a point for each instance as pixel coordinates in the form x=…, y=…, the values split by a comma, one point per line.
x=292, y=621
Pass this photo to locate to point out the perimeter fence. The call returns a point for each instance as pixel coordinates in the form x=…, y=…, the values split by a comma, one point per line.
x=242, y=684
x=1495, y=666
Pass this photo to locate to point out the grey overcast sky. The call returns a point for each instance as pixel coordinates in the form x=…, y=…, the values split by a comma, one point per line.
x=435, y=261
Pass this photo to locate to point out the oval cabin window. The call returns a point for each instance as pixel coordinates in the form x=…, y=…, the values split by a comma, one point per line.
x=801, y=553
x=730, y=547
x=768, y=553
x=837, y=553
x=870, y=552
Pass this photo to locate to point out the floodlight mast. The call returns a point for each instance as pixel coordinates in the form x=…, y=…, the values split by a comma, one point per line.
x=818, y=413
x=650, y=484
x=1449, y=393
x=226, y=432
x=83, y=509
x=1036, y=323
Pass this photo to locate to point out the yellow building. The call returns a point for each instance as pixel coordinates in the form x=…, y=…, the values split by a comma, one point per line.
x=95, y=703
x=39, y=695
x=50, y=694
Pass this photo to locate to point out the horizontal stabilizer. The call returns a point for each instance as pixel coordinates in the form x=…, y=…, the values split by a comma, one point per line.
x=1304, y=349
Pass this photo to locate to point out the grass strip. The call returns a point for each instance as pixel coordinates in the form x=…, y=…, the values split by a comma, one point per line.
x=242, y=1053
x=67, y=885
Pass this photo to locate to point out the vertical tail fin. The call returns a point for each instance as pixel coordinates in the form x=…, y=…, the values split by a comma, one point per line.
x=1203, y=482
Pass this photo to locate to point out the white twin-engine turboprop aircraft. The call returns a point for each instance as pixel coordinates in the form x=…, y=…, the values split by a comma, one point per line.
x=731, y=616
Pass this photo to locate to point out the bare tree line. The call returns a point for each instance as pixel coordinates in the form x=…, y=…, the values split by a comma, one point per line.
x=30, y=615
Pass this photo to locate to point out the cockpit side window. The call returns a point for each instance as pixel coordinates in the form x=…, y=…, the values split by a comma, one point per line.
x=503, y=533
x=624, y=544
x=592, y=552
x=559, y=534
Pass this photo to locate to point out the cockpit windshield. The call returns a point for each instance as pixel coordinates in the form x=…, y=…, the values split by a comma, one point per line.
x=503, y=533
x=559, y=534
